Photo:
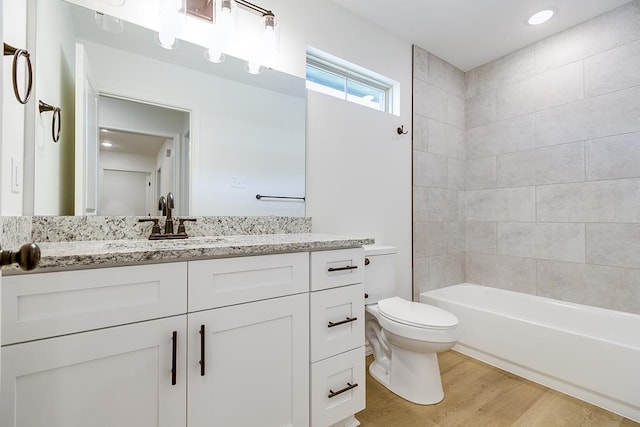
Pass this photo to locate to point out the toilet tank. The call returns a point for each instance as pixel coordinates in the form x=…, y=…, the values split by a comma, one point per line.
x=379, y=272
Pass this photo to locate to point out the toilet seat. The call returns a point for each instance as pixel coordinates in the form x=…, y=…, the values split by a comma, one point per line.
x=415, y=314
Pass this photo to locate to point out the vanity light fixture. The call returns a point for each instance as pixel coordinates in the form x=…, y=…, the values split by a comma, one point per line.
x=223, y=28
x=540, y=17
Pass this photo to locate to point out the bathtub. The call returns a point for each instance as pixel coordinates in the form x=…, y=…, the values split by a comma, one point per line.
x=587, y=352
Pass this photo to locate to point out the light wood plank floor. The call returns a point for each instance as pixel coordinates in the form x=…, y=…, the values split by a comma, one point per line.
x=476, y=394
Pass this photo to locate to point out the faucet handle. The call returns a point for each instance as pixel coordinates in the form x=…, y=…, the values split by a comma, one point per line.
x=156, y=225
x=181, y=221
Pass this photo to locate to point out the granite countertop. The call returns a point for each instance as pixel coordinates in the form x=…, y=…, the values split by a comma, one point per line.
x=106, y=253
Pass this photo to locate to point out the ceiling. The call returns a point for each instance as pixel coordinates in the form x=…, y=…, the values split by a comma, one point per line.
x=469, y=33
x=132, y=143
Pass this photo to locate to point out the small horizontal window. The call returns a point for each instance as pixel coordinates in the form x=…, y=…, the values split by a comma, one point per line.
x=332, y=76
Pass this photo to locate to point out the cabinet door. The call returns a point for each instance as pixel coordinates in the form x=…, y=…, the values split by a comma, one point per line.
x=255, y=370
x=120, y=376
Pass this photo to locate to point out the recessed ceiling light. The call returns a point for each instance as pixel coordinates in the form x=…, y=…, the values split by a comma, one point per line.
x=540, y=17
x=107, y=144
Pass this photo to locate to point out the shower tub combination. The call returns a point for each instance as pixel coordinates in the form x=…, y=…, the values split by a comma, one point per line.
x=587, y=352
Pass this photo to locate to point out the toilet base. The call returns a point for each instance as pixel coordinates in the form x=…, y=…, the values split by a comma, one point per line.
x=413, y=376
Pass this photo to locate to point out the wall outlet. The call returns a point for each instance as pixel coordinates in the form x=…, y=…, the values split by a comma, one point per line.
x=16, y=175
x=239, y=182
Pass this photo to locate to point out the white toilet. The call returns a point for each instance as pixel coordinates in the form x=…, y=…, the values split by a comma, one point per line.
x=404, y=335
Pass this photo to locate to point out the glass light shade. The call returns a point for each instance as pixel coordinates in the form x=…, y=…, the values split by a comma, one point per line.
x=252, y=67
x=172, y=18
x=214, y=56
x=270, y=41
x=108, y=23
x=540, y=17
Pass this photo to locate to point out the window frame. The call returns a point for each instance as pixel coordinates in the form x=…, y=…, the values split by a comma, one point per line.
x=337, y=67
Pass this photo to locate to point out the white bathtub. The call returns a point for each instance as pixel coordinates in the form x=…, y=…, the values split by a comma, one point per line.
x=587, y=352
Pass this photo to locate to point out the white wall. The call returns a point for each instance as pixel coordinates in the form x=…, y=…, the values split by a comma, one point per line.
x=54, y=77
x=14, y=20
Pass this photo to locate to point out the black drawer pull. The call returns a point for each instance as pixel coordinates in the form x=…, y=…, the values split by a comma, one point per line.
x=348, y=267
x=342, y=322
x=347, y=388
x=202, y=350
x=174, y=354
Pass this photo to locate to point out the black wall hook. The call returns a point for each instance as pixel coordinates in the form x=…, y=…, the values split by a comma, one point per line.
x=401, y=130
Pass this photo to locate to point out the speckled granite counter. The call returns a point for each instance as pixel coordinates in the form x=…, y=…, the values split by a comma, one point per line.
x=105, y=253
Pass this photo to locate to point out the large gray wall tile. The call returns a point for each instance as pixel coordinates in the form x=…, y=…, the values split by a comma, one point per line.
x=615, y=28
x=505, y=136
x=608, y=287
x=560, y=242
x=420, y=203
x=555, y=87
x=420, y=132
x=614, y=244
x=505, y=272
x=446, y=270
x=548, y=165
x=457, y=237
x=446, y=76
x=429, y=101
x=456, y=173
x=420, y=64
x=429, y=170
x=613, y=70
x=504, y=204
x=442, y=204
x=613, y=157
x=512, y=67
x=456, y=111
x=597, y=117
x=594, y=201
x=480, y=110
x=482, y=237
x=420, y=274
x=436, y=238
x=480, y=173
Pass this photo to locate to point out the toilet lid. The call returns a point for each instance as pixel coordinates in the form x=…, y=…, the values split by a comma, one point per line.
x=416, y=314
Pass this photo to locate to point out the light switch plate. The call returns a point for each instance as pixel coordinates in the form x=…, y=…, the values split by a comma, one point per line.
x=16, y=175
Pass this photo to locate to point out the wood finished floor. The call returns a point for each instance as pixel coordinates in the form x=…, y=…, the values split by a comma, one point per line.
x=476, y=394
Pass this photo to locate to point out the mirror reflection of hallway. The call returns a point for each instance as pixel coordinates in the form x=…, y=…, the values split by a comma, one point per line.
x=137, y=141
x=125, y=193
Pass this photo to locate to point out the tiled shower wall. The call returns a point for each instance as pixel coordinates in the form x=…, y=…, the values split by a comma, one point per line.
x=438, y=172
x=552, y=178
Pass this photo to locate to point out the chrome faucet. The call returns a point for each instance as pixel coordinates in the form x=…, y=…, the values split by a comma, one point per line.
x=170, y=204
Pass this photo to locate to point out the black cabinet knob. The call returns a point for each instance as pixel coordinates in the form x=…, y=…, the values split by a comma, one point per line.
x=27, y=257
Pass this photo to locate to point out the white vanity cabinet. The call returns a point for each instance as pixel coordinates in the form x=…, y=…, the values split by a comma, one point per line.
x=118, y=376
x=248, y=360
x=59, y=373
x=337, y=337
x=267, y=340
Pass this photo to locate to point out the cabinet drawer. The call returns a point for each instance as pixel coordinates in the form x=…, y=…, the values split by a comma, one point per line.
x=334, y=393
x=221, y=282
x=48, y=304
x=330, y=269
x=337, y=321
